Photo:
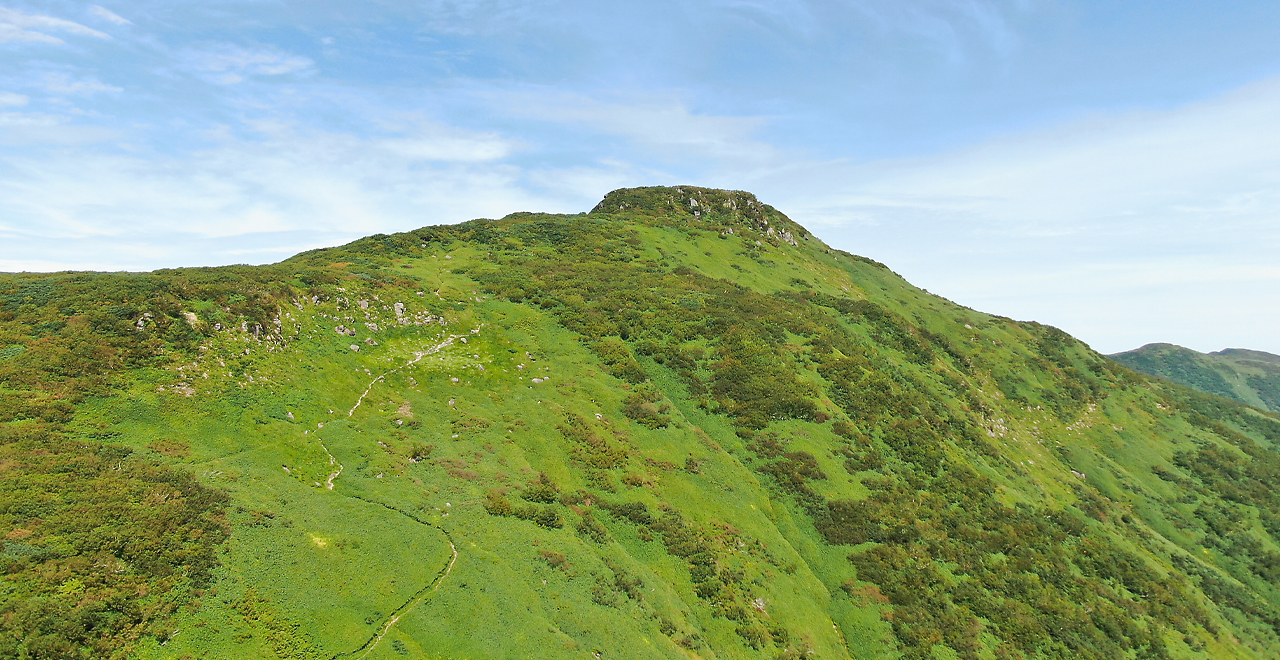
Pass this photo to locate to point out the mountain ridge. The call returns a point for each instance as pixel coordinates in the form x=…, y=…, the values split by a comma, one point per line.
x=660, y=429
x=1248, y=376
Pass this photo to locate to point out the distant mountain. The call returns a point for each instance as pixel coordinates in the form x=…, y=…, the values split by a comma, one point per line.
x=675, y=427
x=1252, y=377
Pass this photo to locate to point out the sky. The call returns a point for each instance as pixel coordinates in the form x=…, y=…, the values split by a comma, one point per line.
x=1112, y=169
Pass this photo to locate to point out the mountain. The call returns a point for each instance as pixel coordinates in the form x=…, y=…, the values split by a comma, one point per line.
x=1251, y=377
x=677, y=426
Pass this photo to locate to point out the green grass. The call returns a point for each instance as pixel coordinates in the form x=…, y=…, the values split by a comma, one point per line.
x=772, y=372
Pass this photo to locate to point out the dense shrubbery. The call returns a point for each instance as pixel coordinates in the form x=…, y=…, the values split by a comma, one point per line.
x=949, y=557
x=643, y=407
x=953, y=562
x=539, y=492
x=99, y=546
x=1235, y=485
x=1178, y=364
x=713, y=579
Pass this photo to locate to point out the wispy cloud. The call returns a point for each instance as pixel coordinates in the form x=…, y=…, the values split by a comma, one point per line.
x=229, y=64
x=108, y=15
x=62, y=83
x=9, y=99
x=793, y=15
x=446, y=146
x=1169, y=167
x=16, y=26
x=266, y=195
x=662, y=124
x=46, y=129
x=466, y=17
x=951, y=28
x=1153, y=205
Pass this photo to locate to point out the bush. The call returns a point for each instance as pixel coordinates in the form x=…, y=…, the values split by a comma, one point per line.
x=541, y=490
x=592, y=529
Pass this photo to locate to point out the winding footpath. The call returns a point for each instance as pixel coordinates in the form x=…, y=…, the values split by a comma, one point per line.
x=416, y=599
x=417, y=356
x=328, y=483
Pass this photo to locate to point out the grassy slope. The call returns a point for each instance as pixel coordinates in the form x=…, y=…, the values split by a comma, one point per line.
x=311, y=571
x=1251, y=377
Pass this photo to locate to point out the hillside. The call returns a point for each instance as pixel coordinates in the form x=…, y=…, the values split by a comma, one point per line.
x=1251, y=377
x=677, y=426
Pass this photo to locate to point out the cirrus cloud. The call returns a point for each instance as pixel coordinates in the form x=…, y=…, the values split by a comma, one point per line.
x=16, y=26
x=229, y=64
x=108, y=15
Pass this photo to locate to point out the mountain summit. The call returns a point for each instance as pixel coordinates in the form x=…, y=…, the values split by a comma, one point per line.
x=678, y=426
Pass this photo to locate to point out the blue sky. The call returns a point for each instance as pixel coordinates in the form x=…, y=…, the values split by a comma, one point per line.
x=1109, y=168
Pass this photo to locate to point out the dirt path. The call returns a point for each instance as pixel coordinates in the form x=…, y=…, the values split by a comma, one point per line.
x=328, y=483
x=422, y=594
x=417, y=598
x=417, y=356
x=410, y=604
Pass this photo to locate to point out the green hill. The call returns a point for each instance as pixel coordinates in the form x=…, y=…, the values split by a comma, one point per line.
x=1251, y=377
x=677, y=426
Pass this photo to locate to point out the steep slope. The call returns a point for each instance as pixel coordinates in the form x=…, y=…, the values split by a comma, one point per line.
x=677, y=426
x=1251, y=377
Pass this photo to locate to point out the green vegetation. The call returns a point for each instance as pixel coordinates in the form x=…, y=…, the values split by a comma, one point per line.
x=1251, y=377
x=677, y=426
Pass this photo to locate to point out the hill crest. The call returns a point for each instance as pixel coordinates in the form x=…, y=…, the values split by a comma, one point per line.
x=624, y=433
x=1248, y=376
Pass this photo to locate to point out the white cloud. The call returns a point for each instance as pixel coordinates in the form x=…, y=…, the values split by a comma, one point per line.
x=228, y=64
x=108, y=15
x=30, y=128
x=46, y=266
x=1212, y=160
x=1176, y=211
x=466, y=17
x=436, y=143
x=660, y=124
x=951, y=28
x=9, y=99
x=589, y=183
x=61, y=83
x=32, y=28
x=253, y=199
x=794, y=15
